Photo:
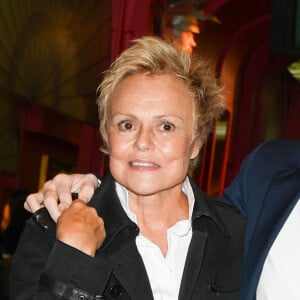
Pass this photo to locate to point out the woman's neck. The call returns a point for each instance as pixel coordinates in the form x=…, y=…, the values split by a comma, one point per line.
x=155, y=215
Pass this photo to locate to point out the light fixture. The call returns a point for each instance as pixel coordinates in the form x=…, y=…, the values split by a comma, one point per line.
x=294, y=69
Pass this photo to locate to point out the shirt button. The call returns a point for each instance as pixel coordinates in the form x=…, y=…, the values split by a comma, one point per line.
x=116, y=290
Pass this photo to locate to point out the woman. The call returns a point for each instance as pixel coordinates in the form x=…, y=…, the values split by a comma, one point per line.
x=148, y=232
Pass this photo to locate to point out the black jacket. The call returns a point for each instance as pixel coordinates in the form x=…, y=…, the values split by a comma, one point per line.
x=45, y=268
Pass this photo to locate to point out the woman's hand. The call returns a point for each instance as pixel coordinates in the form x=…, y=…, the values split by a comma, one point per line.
x=80, y=227
x=56, y=196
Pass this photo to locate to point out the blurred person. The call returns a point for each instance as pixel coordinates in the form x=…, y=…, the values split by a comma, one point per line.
x=18, y=215
x=148, y=232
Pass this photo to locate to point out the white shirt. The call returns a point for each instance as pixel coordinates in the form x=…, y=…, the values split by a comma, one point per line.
x=164, y=273
x=280, y=277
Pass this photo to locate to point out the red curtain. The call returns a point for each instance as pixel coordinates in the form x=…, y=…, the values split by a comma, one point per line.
x=130, y=19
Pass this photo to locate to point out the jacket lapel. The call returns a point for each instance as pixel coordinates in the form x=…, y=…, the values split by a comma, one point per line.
x=129, y=266
x=126, y=262
x=192, y=265
x=279, y=201
x=195, y=255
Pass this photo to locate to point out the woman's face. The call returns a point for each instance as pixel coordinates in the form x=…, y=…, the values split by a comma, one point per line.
x=150, y=129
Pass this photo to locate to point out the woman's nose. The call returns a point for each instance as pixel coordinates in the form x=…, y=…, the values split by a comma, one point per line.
x=144, y=139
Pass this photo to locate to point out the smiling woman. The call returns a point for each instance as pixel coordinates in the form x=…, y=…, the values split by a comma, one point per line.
x=148, y=232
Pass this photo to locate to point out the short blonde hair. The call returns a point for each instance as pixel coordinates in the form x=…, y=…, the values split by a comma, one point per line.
x=156, y=56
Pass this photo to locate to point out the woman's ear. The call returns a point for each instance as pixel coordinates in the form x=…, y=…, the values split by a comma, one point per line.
x=196, y=146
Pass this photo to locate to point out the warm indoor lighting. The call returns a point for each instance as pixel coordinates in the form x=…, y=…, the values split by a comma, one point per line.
x=5, y=217
x=294, y=69
x=187, y=41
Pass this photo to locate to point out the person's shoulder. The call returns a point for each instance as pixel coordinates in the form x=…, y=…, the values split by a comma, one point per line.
x=289, y=145
x=106, y=184
x=223, y=206
x=229, y=217
x=280, y=152
x=211, y=202
x=226, y=216
x=228, y=213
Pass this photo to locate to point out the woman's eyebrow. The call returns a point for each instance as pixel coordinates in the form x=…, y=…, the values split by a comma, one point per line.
x=165, y=116
x=158, y=117
x=117, y=114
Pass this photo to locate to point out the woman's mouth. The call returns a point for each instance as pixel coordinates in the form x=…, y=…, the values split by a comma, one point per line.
x=143, y=164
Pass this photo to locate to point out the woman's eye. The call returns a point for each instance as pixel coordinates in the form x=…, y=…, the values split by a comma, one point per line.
x=125, y=125
x=167, y=126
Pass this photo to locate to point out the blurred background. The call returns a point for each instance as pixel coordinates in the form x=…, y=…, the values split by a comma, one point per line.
x=53, y=54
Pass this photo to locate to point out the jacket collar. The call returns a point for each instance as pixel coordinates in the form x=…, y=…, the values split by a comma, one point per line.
x=108, y=206
x=205, y=208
